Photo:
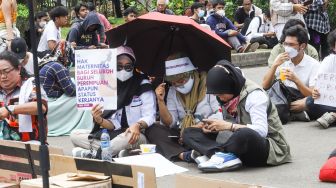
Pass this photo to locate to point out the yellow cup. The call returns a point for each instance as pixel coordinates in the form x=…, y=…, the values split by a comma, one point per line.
x=282, y=73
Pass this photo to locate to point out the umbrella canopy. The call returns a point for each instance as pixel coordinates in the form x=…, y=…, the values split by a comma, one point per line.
x=155, y=36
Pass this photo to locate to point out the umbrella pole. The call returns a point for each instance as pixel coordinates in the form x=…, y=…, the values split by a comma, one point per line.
x=44, y=153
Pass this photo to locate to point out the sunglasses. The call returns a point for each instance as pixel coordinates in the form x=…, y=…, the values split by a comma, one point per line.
x=177, y=77
x=127, y=67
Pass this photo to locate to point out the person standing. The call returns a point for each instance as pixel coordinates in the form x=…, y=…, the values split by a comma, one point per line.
x=318, y=25
x=8, y=15
x=161, y=6
x=130, y=14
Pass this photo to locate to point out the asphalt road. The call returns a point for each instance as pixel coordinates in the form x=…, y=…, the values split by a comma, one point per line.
x=310, y=147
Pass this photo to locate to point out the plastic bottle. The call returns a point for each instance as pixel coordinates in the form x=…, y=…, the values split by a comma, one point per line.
x=105, y=145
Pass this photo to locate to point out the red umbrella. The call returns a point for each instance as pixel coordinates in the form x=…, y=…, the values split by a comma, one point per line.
x=154, y=36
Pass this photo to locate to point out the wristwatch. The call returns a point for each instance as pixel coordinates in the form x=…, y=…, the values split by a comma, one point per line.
x=10, y=109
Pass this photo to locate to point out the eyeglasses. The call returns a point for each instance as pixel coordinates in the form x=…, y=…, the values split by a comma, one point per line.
x=127, y=67
x=290, y=44
x=5, y=72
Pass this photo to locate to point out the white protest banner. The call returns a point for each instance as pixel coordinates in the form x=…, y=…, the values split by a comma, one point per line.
x=96, y=78
x=326, y=85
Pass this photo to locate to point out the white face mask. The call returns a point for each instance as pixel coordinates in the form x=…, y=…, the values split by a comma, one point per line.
x=292, y=52
x=186, y=88
x=42, y=24
x=124, y=75
x=201, y=13
x=221, y=13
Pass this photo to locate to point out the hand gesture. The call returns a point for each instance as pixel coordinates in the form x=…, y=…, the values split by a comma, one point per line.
x=315, y=93
x=299, y=8
x=281, y=58
x=290, y=75
x=160, y=92
x=215, y=125
x=97, y=112
x=134, y=130
x=3, y=113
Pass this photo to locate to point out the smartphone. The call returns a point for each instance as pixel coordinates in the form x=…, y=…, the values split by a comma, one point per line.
x=308, y=2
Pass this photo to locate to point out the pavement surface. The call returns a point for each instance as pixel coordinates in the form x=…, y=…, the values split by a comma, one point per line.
x=310, y=147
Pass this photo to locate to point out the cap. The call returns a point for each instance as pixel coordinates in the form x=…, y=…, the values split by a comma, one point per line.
x=178, y=66
x=19, y=47
x=126, y=50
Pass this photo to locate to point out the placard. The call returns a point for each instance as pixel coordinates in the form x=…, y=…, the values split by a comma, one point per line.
x=326, y=85
x=96, y=78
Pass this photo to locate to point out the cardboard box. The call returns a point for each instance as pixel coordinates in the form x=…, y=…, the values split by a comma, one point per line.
x=122, y=175
x=63, y=180
x=183, y=181
x=20, y=161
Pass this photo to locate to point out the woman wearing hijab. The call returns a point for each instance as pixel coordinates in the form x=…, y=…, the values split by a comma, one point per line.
x=136, y=109
x=187, y=104
x=258, y=137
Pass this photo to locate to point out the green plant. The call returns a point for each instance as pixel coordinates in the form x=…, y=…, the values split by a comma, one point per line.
x=179, y=6
x=332, y=14
x=23, y=11
x=116, y=21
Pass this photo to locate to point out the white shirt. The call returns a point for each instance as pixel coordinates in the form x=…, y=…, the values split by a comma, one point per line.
x=207, y=108
x=29, y=66
x=306, y=71
x=252, y=31
x=142, y=108
x=50, y=33
x=256, y=105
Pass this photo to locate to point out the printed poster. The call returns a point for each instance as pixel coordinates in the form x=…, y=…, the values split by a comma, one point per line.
x=326, y=84
x=96, y=78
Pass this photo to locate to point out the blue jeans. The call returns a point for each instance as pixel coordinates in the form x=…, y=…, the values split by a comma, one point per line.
x=317, y=110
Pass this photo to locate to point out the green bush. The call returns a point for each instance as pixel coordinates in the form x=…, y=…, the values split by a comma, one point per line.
x=22, y=19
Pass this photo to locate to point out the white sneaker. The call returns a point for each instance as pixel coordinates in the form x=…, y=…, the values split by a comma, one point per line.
x=326, y=119
x=221, y=162
x=83, y=153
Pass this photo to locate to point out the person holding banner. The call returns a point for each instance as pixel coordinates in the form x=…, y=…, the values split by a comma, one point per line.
x=136, y=110
x=187, y=104
x=18, y=112
x=324, y=114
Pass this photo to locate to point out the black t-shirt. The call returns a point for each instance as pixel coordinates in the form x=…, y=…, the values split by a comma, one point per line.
x=240, y=15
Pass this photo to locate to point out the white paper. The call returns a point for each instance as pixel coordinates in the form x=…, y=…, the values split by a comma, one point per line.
x=141, y=180
x=96, y=78
x=326, y=85
x=162, y=166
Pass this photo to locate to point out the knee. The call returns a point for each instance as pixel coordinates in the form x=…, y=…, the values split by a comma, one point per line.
x=188, y=132
x=244, y=135
x=309, y=102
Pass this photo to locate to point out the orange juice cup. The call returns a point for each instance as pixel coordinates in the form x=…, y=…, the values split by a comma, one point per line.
x=282, y=73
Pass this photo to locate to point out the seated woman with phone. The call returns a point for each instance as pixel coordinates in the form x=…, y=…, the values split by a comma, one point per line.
x=258, y=136
x=187, y=104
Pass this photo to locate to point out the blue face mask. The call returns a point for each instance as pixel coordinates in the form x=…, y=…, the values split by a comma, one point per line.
x=201, y=13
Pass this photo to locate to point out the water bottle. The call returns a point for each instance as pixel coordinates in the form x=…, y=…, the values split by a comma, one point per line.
x=105, y=144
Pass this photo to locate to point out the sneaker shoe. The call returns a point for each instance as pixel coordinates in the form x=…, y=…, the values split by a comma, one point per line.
x=254, y=47
x=83, y=153
x=198, y=158
x=221, y=162
x=300, y=116
x=327, y=119
x=128, y=152
x=245, y=48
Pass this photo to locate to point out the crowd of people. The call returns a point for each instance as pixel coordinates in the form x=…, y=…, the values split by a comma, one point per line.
x=219, y=119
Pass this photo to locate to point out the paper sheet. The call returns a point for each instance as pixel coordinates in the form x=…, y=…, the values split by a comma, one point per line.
x=162, y=166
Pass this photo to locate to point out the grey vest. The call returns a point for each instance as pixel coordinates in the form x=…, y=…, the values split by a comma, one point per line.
x=279, y=149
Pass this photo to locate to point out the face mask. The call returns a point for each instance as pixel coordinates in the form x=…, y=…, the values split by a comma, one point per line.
x=221, y=13
x=42, y=24
x=186, y=88
x=124, y=75
x=201, y=13
x=292, y=52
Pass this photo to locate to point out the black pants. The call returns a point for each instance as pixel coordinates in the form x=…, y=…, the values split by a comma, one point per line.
x=168, y=147
x=246, y=144
x=317, y=110
x=319, y=41
x=270, y=41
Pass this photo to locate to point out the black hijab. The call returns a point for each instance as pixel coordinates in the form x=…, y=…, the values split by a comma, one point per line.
x=224, y=78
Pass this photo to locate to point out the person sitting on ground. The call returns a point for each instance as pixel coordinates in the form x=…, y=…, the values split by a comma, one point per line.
x=257, y=139
x=187, y=104
x=18, y=95
x=298, y=68
x=244, y=14
x=136, y=110
x=279, y=48
x=161, y=6
x=325, y=115
x=197, y=10
x=41, y=20
x=81, y=11
x=61, y=91
x=225, y=29
x=84, y=35
x=130, y=14
x=19, y=48
x=261, y=30
x=52, y=33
